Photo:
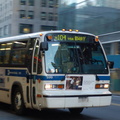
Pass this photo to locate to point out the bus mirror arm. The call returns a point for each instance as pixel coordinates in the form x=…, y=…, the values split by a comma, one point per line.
x=44, y=46
x=111, y=64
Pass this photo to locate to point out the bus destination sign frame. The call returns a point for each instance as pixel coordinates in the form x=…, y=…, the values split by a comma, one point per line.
x=70, y=37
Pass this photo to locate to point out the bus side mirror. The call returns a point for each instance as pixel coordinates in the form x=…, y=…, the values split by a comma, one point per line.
x=110, y=64
x=44, y=46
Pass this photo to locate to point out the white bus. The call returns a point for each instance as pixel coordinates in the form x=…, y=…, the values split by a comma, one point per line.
x=54, y=69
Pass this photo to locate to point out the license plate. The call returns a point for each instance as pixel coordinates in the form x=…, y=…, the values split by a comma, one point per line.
x=83, y=99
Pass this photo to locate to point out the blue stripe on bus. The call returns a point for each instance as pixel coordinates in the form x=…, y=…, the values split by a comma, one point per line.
x=103, y=77
x=24, y=73
x=47, y=78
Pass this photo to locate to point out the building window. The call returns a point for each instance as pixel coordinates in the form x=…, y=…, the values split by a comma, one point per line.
x=5, y=29
x=10, y=3
x=22, y=14
x=50, y=17
x=0, y=32
x=31, y=2
x=0, y=7
x=30, y=14
x=43, y=15
x=56, y=3
x=43, y=3
x=44, y=27
x=56, y=17
x=26, y=28
x=23, y=2
x=51, y=3
x=9, y=29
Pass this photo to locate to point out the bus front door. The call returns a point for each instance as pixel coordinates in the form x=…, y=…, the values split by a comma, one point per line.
x=36, y=61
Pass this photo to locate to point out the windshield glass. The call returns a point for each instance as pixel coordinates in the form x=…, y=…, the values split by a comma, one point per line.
x=75, y=58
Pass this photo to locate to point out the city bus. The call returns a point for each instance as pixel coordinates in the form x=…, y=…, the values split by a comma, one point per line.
x=54, y=70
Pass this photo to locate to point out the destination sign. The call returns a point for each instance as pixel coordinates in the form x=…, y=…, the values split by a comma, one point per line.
x=66, y=37
x=70, y=37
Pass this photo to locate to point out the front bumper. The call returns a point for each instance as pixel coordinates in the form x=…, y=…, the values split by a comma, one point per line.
x=76, y=101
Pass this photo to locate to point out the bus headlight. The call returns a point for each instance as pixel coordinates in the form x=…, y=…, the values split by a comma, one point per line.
x=102, y=86
x=54, y=86
x=48, y=86
x=106, y=86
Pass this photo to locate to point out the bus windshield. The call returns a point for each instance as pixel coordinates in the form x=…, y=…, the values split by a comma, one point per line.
x=75, y=58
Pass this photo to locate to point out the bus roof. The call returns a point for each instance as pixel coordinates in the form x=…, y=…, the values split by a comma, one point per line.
x=37, y=34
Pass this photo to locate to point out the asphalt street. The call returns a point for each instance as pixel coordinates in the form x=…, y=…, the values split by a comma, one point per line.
x=101, y=113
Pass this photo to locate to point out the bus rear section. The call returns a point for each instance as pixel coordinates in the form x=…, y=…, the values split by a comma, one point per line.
x=76, y=73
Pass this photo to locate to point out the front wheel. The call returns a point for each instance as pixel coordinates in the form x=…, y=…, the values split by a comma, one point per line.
x=18, y=102
x=76, y=110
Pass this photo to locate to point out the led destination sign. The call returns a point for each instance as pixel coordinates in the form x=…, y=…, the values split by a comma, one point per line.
x=70, y=37
x=66, y=37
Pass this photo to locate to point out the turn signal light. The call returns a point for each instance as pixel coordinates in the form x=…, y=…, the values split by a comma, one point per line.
x=60, y=86
x=102, y=86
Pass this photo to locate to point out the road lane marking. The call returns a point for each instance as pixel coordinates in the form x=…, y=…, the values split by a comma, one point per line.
x=115, y=104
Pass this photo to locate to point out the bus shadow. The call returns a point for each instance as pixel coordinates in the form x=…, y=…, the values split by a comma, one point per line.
x=57, y=114
x=47, y=114
x=4, y=107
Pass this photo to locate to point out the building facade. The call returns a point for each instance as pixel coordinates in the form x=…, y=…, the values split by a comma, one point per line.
x=94, y=16
x=100, y=17
x=27, y=16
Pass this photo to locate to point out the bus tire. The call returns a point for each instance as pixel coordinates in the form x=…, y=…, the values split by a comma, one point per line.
x=18, y=102
x=76, y=111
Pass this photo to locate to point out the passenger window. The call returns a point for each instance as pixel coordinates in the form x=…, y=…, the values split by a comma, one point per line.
x=19, y=52
x=18, y=57
x=5, y=49
x=20, y=44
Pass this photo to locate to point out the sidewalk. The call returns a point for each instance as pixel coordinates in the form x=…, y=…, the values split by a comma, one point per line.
x=116, y=93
